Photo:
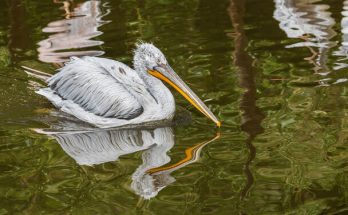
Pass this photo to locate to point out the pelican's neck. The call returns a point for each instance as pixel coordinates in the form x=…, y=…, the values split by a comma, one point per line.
x=159, y=91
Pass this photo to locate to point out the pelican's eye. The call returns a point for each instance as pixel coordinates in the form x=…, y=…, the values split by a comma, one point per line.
x=158, y=61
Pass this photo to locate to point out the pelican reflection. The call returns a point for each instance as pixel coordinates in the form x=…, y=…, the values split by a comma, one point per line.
x=74, y=32
x=101, y=146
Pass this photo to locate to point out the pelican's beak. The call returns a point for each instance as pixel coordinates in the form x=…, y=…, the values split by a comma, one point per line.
x=167, y=74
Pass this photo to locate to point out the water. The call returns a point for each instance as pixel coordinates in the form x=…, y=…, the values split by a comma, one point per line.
x=275, y=72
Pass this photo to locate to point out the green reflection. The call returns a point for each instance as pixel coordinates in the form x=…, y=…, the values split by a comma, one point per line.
x=282, y=97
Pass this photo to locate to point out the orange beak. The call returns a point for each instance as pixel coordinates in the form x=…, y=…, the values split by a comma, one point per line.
x=175, y=81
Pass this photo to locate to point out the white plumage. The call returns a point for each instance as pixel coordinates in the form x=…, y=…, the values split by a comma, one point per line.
x=107, y=93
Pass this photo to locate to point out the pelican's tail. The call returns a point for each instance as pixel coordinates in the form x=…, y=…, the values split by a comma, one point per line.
x=36, y=73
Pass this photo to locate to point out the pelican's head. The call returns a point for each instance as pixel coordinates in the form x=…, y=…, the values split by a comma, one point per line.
x=150, y=59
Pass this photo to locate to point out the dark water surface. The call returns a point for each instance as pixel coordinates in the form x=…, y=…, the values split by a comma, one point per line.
x=275, y=72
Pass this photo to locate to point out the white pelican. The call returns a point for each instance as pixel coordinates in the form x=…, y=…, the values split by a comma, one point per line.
x=107, y=93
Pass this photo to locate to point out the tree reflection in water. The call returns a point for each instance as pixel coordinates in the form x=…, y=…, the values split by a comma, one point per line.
x=311, y=23
x=251, y=114
x=76, y=31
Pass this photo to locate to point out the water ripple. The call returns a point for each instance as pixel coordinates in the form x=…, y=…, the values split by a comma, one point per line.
x=75, y=32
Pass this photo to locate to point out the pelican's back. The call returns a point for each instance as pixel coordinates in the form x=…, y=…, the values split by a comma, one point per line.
x=94, y=84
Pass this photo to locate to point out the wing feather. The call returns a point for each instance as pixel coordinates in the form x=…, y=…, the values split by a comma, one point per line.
x=96, y=86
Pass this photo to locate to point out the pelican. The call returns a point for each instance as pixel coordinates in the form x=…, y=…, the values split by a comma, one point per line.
x=108, y=93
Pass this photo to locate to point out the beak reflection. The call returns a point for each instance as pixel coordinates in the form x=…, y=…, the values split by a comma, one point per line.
x=192, y=155
x=167, y=74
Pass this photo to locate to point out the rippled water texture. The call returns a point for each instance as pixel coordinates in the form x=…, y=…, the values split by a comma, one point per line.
x=274, y=71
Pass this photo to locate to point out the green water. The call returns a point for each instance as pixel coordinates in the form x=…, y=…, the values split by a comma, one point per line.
x=275, y=72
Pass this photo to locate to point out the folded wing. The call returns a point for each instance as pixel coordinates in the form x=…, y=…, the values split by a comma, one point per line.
x=100, y=86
